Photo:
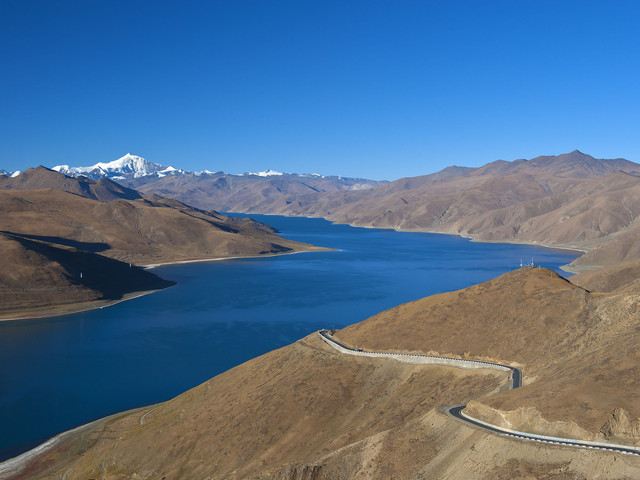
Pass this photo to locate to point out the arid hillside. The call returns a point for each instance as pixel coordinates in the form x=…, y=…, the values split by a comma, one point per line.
x=141, y=231
x=308, y=412
x=244, y=193
x=38, y=278
x=570, y=200
x=53, y=224
x=41, y=178
x=577, y=349
x=622, y=277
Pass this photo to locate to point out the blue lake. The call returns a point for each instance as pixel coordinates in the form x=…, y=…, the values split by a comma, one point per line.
x=62, y=372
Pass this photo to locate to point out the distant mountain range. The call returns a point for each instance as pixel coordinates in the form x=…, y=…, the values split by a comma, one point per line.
x=128, y=225
x=131, y=167
x=67, y=240
x=3, y=172
x=211, y=190
x=569, y=200
x=575, y=340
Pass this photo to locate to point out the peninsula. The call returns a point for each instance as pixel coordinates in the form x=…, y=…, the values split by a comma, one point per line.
x=74, y=243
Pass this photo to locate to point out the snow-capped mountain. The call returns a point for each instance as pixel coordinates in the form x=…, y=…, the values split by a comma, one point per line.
x=265, y=173
x=273, y=173
x=134, y=172
x=129, y=166
x=212, y=190
x=9, y=174
x=133, y=166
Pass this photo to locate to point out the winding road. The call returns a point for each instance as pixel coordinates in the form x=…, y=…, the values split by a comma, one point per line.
x=457, y=411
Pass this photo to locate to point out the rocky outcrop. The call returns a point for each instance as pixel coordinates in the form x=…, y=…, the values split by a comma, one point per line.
x=529, y=420
x=621, y=428
x=301, y=472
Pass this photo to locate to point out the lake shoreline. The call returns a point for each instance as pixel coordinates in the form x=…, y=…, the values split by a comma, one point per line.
x=13, y=466
x=73, y=308
x=150, y=266
x=568, y=247
x=384, y=255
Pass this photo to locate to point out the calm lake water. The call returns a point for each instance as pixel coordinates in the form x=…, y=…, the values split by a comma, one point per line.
x=62, y=372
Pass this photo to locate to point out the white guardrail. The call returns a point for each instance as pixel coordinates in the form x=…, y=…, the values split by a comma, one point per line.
x=516, y=376
x=571, y=442
x=424, y=359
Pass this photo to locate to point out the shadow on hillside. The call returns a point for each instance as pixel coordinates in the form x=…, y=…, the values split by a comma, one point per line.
x=67, y=242
x=112, y=278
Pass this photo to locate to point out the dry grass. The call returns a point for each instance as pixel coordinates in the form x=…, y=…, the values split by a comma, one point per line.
x=306, y=411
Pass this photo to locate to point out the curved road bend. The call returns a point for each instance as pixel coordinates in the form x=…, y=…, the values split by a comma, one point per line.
x=456, y=412
x=516, y=373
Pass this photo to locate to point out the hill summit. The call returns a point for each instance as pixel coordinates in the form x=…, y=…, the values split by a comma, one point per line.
x=128, y=166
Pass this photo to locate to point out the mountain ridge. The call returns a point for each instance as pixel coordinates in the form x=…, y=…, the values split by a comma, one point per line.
x=569, y=200
x=125, y=166
x=305, y=411
x=46, y=213
x=130, y=167
x=38, y=178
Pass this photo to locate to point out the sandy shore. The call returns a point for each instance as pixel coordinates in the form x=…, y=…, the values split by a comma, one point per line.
x=70, y=309
x=217, y=259
x=15, y=465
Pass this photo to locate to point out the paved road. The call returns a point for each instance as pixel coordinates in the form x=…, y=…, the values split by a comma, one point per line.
x=456, y=412
x=568, y=442
x=516, y=373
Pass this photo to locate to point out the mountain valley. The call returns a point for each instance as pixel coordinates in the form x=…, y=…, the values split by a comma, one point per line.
x=46, y=215
x=571, y=200
x=306, y=411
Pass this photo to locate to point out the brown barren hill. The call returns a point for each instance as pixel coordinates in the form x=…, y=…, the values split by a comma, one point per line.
x=578, y=350
x=98, y=221
x=621, y=277
x=150, y=230
x=42, y=279
x=307, y=411
x=41, y=178
x=571, y=200
x=124, y=224
x=244, y=193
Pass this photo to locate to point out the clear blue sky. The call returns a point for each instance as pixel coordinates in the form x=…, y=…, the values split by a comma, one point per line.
x=377, y=89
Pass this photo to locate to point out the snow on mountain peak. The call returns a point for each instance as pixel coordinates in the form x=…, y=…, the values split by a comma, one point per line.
x=272, y=173
x=3, y=172
x=132, y=166
x=265, y=173
x=127, y=166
